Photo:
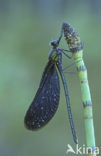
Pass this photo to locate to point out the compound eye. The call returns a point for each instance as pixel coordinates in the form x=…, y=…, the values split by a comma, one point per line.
x=53, y=43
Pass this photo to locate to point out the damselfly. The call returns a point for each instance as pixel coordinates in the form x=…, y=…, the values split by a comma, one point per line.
x=46, y=100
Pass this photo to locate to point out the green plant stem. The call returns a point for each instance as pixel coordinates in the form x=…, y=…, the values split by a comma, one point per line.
x=86, y=99
x=75, y=46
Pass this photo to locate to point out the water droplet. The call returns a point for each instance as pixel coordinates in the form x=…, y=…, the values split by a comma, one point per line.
x=41, y=108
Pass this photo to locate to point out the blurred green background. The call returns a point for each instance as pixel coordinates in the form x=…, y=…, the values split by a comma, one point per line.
x=26, y=28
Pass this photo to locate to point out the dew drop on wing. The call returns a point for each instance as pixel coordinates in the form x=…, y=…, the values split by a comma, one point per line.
x=46, y=100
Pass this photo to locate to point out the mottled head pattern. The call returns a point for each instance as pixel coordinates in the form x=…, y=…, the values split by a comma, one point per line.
x=72, y=38
x=54, y=43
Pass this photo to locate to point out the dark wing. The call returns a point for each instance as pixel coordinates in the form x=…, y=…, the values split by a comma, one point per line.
x=46, y=101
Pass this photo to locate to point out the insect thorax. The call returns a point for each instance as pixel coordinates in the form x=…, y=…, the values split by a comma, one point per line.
x=53, y=55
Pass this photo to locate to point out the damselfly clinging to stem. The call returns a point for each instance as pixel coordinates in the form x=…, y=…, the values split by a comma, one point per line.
x=46, y=100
